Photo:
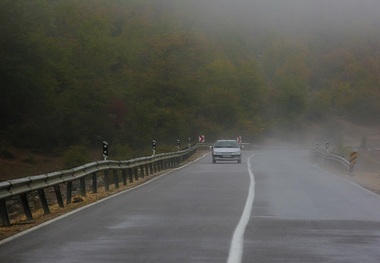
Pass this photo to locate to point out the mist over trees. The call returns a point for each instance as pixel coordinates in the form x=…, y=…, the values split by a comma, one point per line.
x=129, y=71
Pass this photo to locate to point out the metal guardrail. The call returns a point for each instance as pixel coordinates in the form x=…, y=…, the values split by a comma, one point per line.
x=122, y=171
x=335, y=161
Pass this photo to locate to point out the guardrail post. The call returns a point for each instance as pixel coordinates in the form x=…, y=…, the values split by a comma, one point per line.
x=165, y=164
x=171, y=165
x=115, y=179
x=25, y=205
x=4, y=213
x=130, y=175
x=69, y=192
x=44, y=203
x=142, y=169
x=58, y=193
x=151, y=168
x=136, y=173
x=154, y=167
x=94, y=183
x=176, y=161
x=82, y=181
x=124, y=176
x=146, y=167
x=106, y=183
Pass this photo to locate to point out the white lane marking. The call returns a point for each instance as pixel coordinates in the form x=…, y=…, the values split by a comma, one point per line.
x=6, y=240
x=236, y=248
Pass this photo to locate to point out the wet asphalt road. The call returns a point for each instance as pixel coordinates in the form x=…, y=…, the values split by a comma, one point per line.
x=300, y=214
x=303, y=214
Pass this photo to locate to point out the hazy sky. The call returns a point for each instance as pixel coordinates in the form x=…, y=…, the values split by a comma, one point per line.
x=300, y=13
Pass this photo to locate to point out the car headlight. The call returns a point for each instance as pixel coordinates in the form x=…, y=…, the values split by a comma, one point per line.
x=236, y=153
x=217, y=153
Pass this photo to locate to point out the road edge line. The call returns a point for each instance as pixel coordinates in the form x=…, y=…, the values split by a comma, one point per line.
x=236, y=248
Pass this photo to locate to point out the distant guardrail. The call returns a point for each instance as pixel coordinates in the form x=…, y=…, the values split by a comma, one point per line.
x=112, y=173
x=332, y=160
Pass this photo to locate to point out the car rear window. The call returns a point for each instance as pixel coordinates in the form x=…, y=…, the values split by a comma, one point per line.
x=226, y=144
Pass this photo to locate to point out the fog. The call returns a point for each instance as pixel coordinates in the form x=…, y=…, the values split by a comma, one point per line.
x=289, y=15
x=326, y=19
x=247, y=34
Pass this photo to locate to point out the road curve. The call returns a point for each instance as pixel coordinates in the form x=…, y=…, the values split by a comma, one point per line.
x=300, y=213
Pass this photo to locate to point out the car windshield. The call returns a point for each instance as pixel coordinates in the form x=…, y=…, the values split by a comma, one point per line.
x=226, y=144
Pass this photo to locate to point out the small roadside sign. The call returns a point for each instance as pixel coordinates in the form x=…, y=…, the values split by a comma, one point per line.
x=353, y=157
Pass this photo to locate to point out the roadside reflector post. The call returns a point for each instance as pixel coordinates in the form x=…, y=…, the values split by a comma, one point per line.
x=105, y=150
x=154, y=147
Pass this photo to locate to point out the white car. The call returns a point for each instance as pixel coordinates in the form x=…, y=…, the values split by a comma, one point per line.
x=226, y=150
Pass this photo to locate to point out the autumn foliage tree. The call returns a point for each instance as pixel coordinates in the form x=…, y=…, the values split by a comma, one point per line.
x=78, y=72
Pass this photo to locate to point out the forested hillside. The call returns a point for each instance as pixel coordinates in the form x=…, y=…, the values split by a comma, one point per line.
x=129, y=71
